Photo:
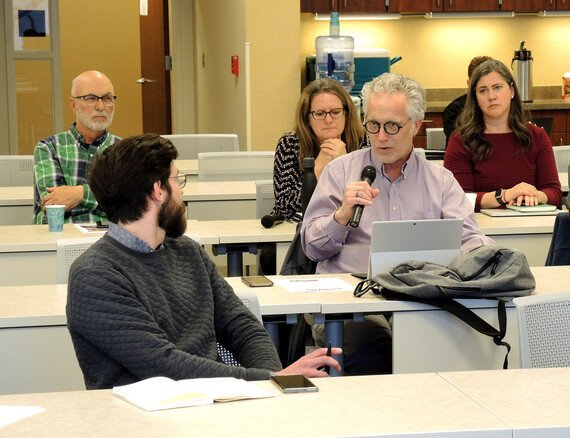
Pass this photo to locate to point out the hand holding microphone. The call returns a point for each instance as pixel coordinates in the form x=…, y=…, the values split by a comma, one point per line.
x=368, y=175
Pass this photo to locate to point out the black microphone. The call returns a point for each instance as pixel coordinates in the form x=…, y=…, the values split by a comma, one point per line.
x=268, y=220
x=368, y=174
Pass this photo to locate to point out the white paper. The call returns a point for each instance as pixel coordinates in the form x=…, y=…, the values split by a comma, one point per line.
x=315, y=285
x=89, y=228
x=12, y=414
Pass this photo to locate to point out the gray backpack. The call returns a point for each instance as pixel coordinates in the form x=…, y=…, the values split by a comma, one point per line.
x=486, y=272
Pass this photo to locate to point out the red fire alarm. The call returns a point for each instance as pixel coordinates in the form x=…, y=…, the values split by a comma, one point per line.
x=235, y=65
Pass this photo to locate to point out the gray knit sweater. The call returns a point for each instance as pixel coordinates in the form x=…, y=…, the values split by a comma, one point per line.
x=136, y=315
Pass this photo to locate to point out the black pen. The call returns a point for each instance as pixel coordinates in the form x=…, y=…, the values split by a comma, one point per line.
x=328, y=368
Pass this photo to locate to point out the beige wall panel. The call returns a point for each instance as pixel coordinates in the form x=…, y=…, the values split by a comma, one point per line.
x=437, y=52
x=273, y=31
x=220, y=33
x=104, y=35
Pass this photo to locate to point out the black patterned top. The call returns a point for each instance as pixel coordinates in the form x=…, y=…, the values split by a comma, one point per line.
x=288, y=175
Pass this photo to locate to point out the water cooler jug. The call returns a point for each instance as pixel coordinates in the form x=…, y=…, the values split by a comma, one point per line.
x=335, y=55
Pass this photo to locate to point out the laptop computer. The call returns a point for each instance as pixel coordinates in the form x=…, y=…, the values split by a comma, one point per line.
x=394, y=242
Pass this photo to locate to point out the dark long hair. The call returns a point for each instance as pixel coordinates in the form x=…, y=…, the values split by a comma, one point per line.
x=471, y=123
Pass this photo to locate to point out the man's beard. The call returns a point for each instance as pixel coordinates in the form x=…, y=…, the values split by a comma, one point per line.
x=94, y=125
x=172, y=218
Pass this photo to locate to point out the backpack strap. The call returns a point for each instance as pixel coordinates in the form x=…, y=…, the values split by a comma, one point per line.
x=465, y=314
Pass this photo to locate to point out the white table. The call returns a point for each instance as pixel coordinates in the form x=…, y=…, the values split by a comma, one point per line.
x=28, y=253
x=534, y=402
x=206, y=200
x=32, y=318
x=425, y=339
x=16, y=205
x=530, y=234
x=246, y=236
x=423, y=406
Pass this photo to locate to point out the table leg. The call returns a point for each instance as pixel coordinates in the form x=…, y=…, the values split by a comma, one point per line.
x=334, y=333
x=235, y=264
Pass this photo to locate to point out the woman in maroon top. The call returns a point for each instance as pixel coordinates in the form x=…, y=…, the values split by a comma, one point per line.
x=495, y=151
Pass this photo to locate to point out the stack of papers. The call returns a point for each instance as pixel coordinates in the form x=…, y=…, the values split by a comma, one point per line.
x=159, y=393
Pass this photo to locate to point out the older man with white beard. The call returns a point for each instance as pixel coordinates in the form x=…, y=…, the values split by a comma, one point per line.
x=61, y=161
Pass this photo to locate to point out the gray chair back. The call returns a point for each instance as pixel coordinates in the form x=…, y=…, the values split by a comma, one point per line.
x=235, y=166
x=435, y=139
x=250, y=301
x=544, y=330
x=264, y=197
x=190, y=145
x=16, y=170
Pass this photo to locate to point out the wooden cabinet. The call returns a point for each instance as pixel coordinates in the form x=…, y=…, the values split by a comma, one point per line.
x=343, y=6
x=423, y=6
x=411, y=6
x=560, y=126
x=560, y=120
x=471, y=6
x=530, y=5
x=431, y=120
x=540, y=5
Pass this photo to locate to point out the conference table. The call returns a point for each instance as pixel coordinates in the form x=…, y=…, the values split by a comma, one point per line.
x=205, y=200
x=425, y=339
x=530, y=403
x=33, y=247
x=28, y=253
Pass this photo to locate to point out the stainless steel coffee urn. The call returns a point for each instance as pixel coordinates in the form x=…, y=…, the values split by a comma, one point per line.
x=522, y=71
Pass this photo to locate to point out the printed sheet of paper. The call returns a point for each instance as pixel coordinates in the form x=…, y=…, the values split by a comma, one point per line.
x=314, y=285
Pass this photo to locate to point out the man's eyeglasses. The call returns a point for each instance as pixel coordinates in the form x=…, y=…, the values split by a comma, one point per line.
x=180, y=179
x=390, y=128
x=336, y=113
x=92, y=99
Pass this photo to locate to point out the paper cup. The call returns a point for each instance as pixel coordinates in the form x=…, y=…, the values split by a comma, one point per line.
x=55, y=216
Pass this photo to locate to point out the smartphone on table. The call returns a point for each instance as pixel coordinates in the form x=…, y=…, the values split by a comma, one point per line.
x=257, y=281
x=294, y=383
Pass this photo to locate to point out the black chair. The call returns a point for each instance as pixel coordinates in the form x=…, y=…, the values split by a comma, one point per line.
x=559, y=251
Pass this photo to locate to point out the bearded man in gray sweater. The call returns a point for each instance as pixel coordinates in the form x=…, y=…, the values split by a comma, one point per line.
x=147, y=301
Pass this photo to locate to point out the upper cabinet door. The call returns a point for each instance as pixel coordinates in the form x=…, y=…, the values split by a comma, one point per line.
x=319, y=6
x=471, y=5
x=412, y=6
x=343, y=6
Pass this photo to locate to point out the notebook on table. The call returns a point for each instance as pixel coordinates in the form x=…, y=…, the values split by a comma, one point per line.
x=432, y=240
x=523, y=210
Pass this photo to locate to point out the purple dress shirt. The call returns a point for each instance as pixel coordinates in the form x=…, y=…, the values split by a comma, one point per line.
x=422, y=191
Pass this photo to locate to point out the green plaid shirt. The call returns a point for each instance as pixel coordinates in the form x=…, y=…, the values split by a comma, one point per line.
x=63, y=160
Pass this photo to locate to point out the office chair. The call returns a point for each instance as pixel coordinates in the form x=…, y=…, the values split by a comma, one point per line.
x=264, y=197
x=235, y=166
x=435, y=139
x=559, y=250
x=190, y=145
x=250, y=300
x=16, y=170
x=562, y=157
x=544, y=330
x=67, y=251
